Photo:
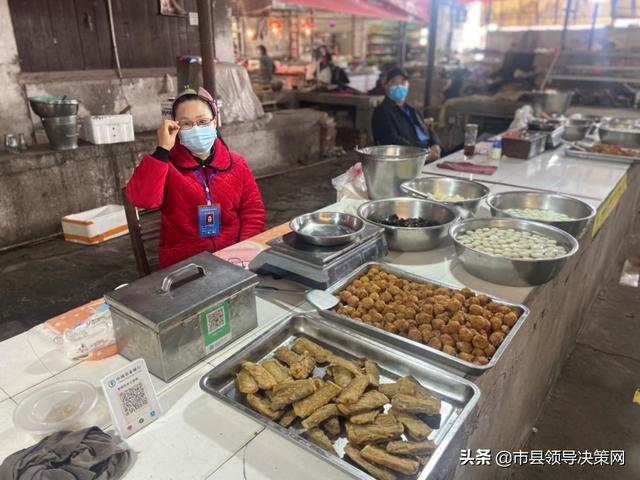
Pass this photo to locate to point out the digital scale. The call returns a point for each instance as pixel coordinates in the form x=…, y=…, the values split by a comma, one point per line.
x=319, y=267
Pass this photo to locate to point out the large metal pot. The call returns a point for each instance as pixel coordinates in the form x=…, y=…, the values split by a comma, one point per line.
x=621, y=131
x=62, y=132
x=46, y=106
x=551, y=101
x=387, y=166
x=410, y=239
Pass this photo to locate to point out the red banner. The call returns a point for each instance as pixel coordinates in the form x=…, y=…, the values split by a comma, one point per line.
x=404, y=11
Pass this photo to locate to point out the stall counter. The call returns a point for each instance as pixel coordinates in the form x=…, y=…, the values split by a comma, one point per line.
x=198, y=437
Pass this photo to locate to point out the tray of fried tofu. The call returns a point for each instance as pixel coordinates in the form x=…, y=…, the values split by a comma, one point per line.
x=366, y=408
x=462, y=330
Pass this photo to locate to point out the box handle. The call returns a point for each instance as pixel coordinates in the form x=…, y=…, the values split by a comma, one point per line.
x=180, y=277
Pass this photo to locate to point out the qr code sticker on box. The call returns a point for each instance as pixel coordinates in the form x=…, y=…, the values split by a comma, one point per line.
x=133, y=399
x=215, y=320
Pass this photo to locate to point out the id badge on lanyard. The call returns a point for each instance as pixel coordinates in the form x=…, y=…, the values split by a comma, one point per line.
x=209, y=214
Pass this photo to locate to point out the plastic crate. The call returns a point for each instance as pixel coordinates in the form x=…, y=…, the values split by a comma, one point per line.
x=103, y=129
x=95, y=226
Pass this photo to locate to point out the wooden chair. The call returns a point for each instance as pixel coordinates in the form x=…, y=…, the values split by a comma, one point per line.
x=144, y=228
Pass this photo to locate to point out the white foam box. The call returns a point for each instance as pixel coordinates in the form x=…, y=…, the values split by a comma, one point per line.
x=100, y=129
x=96, y=225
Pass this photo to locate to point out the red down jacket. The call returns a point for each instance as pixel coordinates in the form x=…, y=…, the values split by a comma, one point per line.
x=174, y=187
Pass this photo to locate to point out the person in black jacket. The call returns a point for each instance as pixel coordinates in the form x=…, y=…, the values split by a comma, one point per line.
x=395, y=122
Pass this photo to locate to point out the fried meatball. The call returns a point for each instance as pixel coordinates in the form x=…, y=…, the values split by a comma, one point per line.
x=415, y=334
x=402, y=325
x=449, y=350
x=447, y=339
x=464, y=347
x=480, y=342
x=353, y=301
x=379, y=306
x=477, y=321
x=466, y=335
x=510, y=319
x=435, y=343
x=367, y=303
x=496, y=323
x=490, y=350
x=467, y=357
x=496, y=338
x=437, y=323
x=475, y=309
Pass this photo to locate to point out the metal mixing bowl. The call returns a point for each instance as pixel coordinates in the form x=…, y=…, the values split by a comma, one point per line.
x=326, y=228
x=576, y=129
x=51, y=106
x=410, y=239
x=621, y=131
x=580, y=211
x=473, y=192
x=508, y=271
x=385, y=167
x=551, y=101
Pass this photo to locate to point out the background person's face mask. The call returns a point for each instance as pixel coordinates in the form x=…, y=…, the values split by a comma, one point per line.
x=398, y=93
x=199, y=139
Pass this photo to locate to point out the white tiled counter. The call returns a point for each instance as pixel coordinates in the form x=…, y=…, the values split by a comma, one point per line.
x=198, y=437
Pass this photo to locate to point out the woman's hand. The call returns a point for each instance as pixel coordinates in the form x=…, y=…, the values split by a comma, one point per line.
x=167, y=134
x=434, y=153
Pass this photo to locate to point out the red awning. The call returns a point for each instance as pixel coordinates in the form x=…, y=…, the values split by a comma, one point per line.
x=400, y=10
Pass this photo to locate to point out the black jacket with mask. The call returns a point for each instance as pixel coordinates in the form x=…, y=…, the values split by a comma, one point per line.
x=392, y=126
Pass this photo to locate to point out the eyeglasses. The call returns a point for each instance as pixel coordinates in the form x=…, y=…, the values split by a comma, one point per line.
x=188, y=125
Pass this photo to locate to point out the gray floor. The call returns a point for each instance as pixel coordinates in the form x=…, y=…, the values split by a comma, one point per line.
x=47, y=279
x=591, y=407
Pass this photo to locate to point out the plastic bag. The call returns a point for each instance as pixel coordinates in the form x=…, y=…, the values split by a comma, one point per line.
x=92, y=339
x=522, y=117
x=351, y=184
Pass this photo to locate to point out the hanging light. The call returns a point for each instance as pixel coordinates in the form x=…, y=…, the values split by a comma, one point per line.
x=274, y=24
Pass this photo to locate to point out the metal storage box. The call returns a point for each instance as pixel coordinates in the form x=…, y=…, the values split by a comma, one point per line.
x=177, y=316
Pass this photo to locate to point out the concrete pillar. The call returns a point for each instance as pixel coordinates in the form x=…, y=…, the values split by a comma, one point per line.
x=14, y=111
x=223, y=31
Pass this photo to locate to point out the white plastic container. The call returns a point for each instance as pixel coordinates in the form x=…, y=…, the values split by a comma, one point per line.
x=95, y=226
x=102, y=129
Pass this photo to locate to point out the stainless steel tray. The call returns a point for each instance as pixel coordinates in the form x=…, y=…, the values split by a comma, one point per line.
x=458, y=396
x=412, y=347
x=574, y=152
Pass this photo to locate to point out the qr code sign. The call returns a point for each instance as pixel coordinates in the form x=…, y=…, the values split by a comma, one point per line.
x=133, y=399
x=215, y=320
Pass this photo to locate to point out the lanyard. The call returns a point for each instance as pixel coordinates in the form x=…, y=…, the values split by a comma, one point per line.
x=205, y=182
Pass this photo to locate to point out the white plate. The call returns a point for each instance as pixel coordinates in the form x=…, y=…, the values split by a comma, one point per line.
x=58, y=406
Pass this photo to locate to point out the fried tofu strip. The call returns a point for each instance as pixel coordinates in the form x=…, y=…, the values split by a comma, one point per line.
x=289, y=392
x=288, y=418
x=264, y=379
x=332, y=426
x=399, y=464
x=415, y=428
x=320, y=398
x=303, y=367
x=344, y=363
x=262, y=406
x=286, y=356
x=385, y=427
x=354, y=390
x=320, y=354
x=412, y=404
x=320, y=415
x=275, y=368
x=320, y=438
x=379, y=473
x=246, y=383
x=364, y=417
x=373, y=372
x=402, y=385
x=369, y=401
x=340, y=375
x=411, y=448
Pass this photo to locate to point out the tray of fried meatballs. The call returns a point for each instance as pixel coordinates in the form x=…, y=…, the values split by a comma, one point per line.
x=367, y=409
x=461, y=329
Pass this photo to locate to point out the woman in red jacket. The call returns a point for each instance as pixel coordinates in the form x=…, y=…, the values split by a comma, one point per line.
x=207, y=196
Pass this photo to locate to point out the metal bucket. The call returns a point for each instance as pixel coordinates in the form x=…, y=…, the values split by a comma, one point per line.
x=62, y=132
x=387, y=166
x=551, y=101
